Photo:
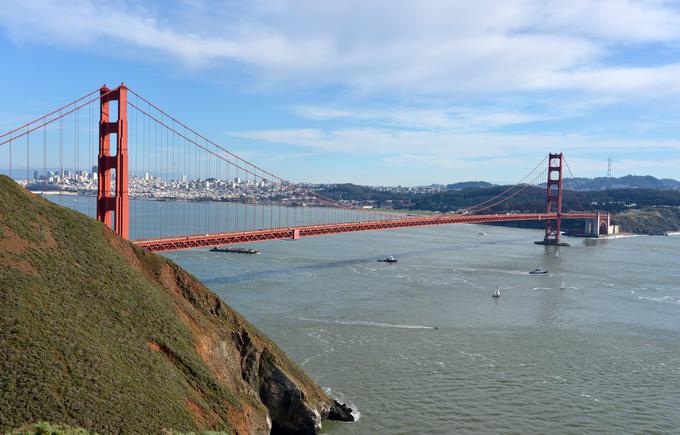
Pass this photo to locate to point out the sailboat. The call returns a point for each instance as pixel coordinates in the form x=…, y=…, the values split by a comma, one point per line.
x=557, y=253
x=563, y=286
x=497, y=293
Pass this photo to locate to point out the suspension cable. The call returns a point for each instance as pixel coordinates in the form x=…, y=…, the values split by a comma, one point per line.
x=473, y=209
x=573, y=191
x=283, y=182
x=524, y=187
x=50, y=121
x=51, y=113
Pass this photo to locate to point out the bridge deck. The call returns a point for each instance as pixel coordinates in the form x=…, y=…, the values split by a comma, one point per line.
x=207, y=240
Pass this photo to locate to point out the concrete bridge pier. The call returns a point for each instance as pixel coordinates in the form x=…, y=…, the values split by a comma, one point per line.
x=600, y=226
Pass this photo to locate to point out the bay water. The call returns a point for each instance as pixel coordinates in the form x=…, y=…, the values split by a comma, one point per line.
x=420, y=346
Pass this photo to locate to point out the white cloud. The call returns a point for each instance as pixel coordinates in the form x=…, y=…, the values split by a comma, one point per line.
x=618, y=20
x=474, y=154
x=421, y=83
x=451, y=118
x=376, y=46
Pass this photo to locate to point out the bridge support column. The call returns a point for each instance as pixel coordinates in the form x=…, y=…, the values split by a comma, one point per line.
x=603, y=223
x=116, y=203
x=554, y=200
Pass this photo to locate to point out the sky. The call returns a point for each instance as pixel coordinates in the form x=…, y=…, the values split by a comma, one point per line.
x=371, y=91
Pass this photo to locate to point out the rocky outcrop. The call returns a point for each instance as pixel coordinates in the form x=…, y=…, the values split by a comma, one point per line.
x=340, y=412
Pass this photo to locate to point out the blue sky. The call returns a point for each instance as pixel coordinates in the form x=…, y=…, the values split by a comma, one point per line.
x=373, y=92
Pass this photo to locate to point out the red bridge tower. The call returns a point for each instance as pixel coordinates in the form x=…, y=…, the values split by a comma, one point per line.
x=118, y=202
x=554, y=199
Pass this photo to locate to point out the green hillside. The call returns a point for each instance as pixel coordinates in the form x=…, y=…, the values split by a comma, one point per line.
x=98, y=334
x=649, y=220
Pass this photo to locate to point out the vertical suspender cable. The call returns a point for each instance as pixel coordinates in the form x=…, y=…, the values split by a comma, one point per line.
x=44, y=152
x=90, y=146
x=28, y=158
x=229, y=192
x=10, y=155
x=186, y=172
x=177, y=205
x=198, y=177
x=236, y=199
x=254, y=200
x=61, y=157
x=216, y=195
x=157, y=205
x=77, y=150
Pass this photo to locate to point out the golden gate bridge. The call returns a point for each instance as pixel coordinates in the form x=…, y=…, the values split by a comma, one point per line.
x=148, y=140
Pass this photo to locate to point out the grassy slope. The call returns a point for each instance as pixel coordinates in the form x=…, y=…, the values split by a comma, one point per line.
x=90, y=336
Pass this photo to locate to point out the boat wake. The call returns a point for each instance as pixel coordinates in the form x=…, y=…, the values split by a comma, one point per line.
x=510, y=272
x=369, y=323
x=663, y=299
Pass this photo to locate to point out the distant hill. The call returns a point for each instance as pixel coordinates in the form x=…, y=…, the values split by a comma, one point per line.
x=469, y=185
x=532, y=199
x=98, y=334
x=599, y=183
x=626, y=182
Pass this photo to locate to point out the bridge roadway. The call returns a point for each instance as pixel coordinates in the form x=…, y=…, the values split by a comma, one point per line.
x=207, y=240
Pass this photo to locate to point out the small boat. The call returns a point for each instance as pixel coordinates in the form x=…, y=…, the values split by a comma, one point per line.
x=563, y=286
x=557, y=254
x=538, y=271
x=235, y=250
x=389, y=259
x=482, y=233
x=497, y=293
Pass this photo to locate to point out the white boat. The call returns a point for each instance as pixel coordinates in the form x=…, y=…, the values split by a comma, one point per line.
x=497, y=293
x=389, y=259
x=557, y=254
x=563, y=286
